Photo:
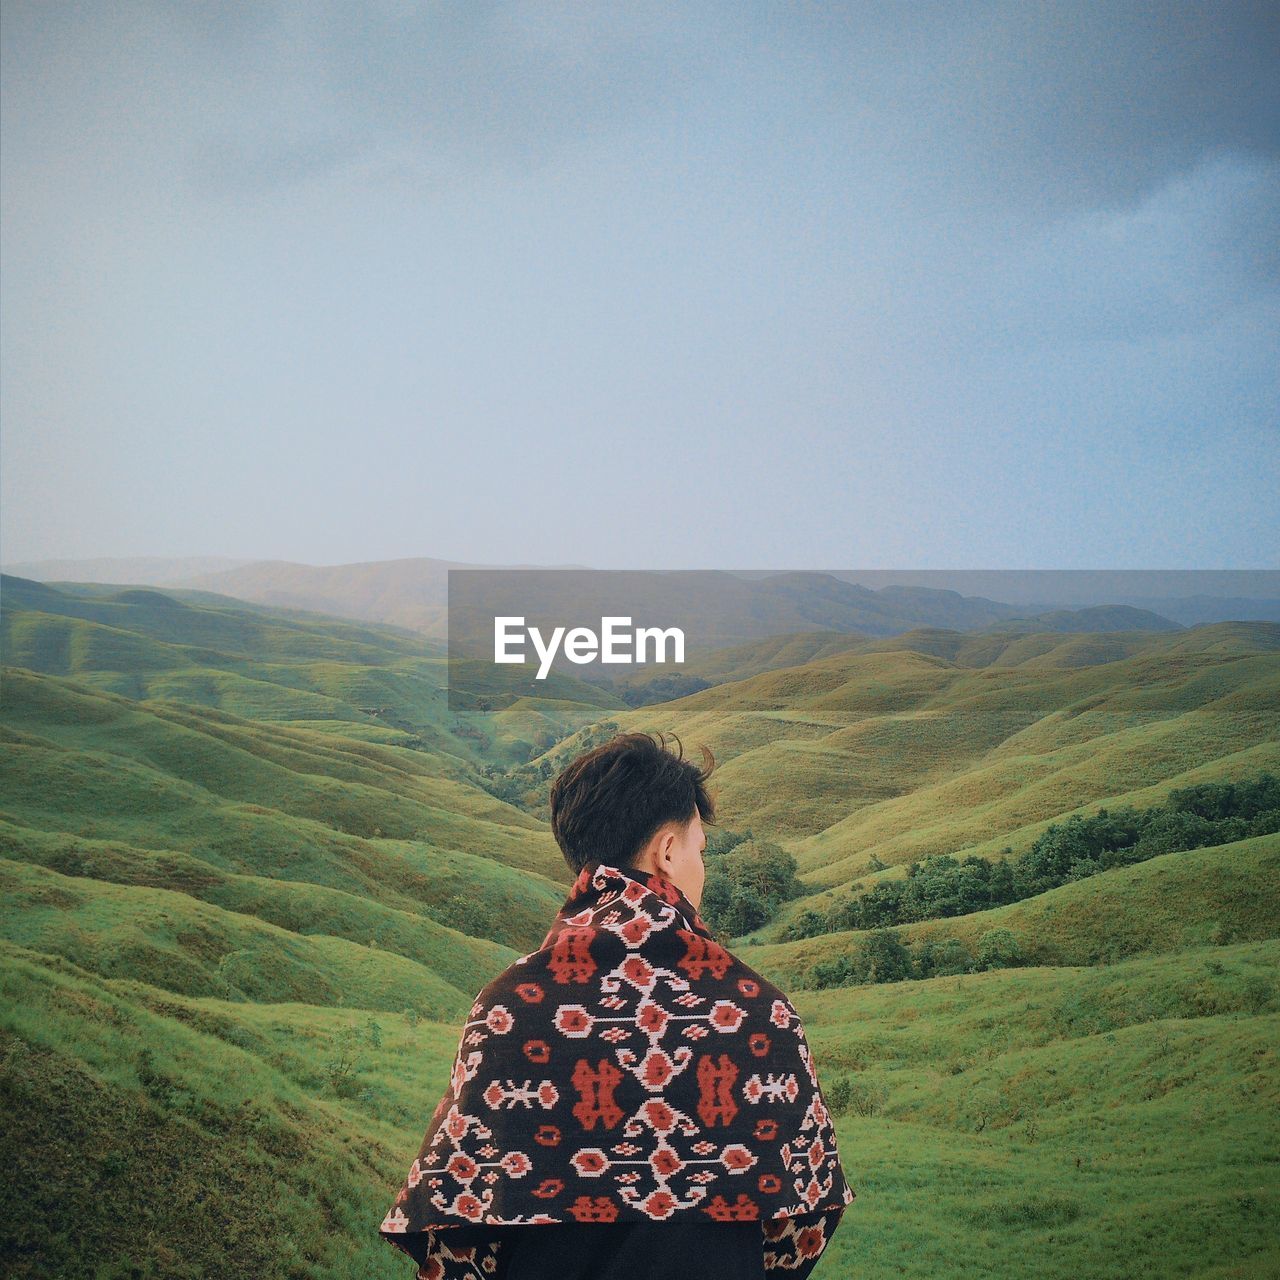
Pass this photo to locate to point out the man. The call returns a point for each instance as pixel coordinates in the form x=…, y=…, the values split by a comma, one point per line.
x=630, y=1100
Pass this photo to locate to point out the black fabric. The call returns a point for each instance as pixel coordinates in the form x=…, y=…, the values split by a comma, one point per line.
x=629, y=1073
x=675, y=1250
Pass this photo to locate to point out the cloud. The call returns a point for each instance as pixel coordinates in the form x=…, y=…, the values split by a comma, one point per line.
x=444, y=226
x=1174, y=263
x=1071, y=106
x=1049, y=107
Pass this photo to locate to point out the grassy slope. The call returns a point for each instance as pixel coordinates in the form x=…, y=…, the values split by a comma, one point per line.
x=175, y=751
x=275, y=885
x=263, y=855
x=165, y=938
x=1111, y=1122
x=95, y=783
x=359, y=679
x=1115, y=1122
x=741, y=661
x=896, y=754
x=1226, y=893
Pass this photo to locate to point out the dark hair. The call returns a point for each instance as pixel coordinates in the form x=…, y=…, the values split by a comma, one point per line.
x=608, y=803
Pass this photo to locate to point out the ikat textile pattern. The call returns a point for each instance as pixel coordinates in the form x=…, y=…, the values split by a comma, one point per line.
x=631, y=1068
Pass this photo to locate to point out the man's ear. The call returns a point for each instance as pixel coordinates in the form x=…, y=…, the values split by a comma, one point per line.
x=666, y=844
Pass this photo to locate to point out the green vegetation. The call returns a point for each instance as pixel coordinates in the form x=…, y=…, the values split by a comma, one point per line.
x=941, y=886
x=1113, y=1122
x=254, y=870
x=1223, y=895
x=937, y=741
x=362, y=680
x=746, y=885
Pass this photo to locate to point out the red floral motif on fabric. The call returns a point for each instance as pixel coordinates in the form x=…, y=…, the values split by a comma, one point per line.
x=629, y=1069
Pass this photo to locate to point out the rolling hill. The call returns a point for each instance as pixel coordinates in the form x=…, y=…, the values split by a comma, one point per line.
x=254, y=871
x=888, y=753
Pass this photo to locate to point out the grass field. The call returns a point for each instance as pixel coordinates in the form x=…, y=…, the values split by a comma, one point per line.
x=1116, y=1121
x=253, y=873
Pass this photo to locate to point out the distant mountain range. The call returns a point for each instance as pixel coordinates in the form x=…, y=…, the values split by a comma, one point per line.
x=732, y=607
x=152, y=571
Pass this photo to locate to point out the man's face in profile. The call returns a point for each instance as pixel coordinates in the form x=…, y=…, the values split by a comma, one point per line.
x=685, y=867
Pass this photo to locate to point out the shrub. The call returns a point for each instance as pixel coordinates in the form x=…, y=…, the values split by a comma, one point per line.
x=941, y=959
x=882, y=957
x=1174, y=831
x=468, y=914
x=808, y=924
x=943, y=885
x=746, y=887
x=998, y=949
x=839, y=1096
x=1266, y=823
x=1215, y=801
x=867, y=1099
x=830, y=973
x=342, y=1067
x=1258, y=993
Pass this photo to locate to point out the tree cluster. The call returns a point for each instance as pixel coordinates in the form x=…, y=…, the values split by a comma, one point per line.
x=882, y=956
x=747, y=885
x=943, y=885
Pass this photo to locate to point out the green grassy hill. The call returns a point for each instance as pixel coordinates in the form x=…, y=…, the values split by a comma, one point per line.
x=1112, y=1122
x=1109, y=1122
x=288, y=805
x=1225, y=894
x=254, y=871
x=365, y=680
x=891, y=753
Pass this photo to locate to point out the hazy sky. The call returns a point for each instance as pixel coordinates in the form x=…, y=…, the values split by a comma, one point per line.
x=707, y=285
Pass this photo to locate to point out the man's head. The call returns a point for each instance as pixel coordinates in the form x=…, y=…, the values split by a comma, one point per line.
x=634, y=803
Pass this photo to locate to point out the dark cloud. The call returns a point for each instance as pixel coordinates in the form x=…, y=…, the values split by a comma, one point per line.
x=1097, y=103
x=1058, y=105
x=933, y=229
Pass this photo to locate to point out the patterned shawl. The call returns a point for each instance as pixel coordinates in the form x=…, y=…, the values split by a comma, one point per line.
x=630, y=1069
